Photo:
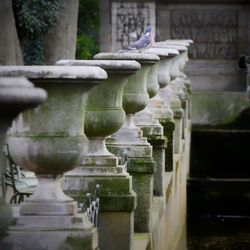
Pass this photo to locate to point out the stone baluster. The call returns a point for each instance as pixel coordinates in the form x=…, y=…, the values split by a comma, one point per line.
x=182, y=87
x=16, y=95
x=128, y=142
x=161, y=107
x=153, y=130
x=50, y=140
x=171, y=96
x=177, y=91
x=104, y=116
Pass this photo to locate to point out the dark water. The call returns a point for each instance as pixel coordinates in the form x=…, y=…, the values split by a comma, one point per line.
x=219, y=233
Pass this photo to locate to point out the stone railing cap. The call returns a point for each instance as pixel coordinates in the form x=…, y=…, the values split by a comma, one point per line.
x=163, y=52
x=180, y=48
x=142, y=58
x=54, y=72
x=185, y=42
x=111, y=66
x=18, y=90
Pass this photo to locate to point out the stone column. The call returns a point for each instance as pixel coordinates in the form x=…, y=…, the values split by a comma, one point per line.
x=128, y=142
x=104, y=116
x=50, y=140
x=16, y=95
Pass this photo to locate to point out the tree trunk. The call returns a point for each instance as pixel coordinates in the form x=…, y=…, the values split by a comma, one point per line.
x=10, y=52
x=60, y=42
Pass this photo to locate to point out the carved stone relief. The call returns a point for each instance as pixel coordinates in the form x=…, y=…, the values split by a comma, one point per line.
x=129, y=20
x=215, y=32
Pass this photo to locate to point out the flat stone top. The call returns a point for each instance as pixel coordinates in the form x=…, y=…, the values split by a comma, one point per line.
x=180, y=48
x=54, y=72
x=185, y=42
x=18, y=90
x=163, y=52
x=142, y=58
x=111, y=66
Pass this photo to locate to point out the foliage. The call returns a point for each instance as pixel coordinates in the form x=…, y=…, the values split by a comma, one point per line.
x=33, y=19
x=88, y=25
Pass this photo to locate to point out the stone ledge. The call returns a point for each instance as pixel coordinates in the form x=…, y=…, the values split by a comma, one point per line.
x=141, y=165
x=141, y=241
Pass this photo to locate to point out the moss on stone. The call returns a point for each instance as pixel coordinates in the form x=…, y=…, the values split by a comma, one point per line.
x=141, y=165
x=77, y=243
x=217, y=108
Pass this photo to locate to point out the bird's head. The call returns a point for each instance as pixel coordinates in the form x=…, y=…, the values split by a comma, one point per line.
x=148, y=29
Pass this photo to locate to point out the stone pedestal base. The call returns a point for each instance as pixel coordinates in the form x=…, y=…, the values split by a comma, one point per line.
x=154, y=134
x=169, y=128
x=51, y=233
x=142, y=171
x=159, y=147
x=178, y=132
x=137, y=152
x=117, y=201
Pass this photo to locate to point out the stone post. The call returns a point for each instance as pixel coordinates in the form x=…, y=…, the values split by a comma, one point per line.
x=50, y=140
x=128, y=142
x=16, y=95
x=104, y=116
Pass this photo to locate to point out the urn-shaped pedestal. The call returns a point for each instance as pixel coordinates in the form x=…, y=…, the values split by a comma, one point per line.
x=135, y=96
x=128, y=142
x=49, y=140
x=16, y=95
x=160, y=107
x=104, y=116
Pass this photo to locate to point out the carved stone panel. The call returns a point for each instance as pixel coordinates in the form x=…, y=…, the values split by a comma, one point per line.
x=129, y=20
x=214, y=31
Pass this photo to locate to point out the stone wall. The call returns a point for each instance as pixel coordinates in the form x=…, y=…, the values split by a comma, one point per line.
x=220, y=30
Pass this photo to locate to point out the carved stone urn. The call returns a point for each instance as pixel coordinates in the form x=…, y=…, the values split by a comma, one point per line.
x=135, y=96
x=169, y=91
x=146, y=116
x=49, y=141
x=104, y=112
x=171, y=96
x=16, y=95
x=160, y=107
x=128, y=142
x=105, y=116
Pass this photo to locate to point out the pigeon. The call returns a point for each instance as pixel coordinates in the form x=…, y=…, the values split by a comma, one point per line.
x=144, y=42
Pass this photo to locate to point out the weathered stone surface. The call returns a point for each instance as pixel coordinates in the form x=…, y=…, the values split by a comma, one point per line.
x=111, y=66
x=129, y=20
x=214, y=31
x=16, y=95
x=53, y=72
x=46, y=141
x=58, y=239
x=142, y=58
x=143, y=186
x=217, y=108
x=104, y=116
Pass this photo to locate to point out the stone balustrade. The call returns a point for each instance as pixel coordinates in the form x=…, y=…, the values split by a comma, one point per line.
x=135, y=112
